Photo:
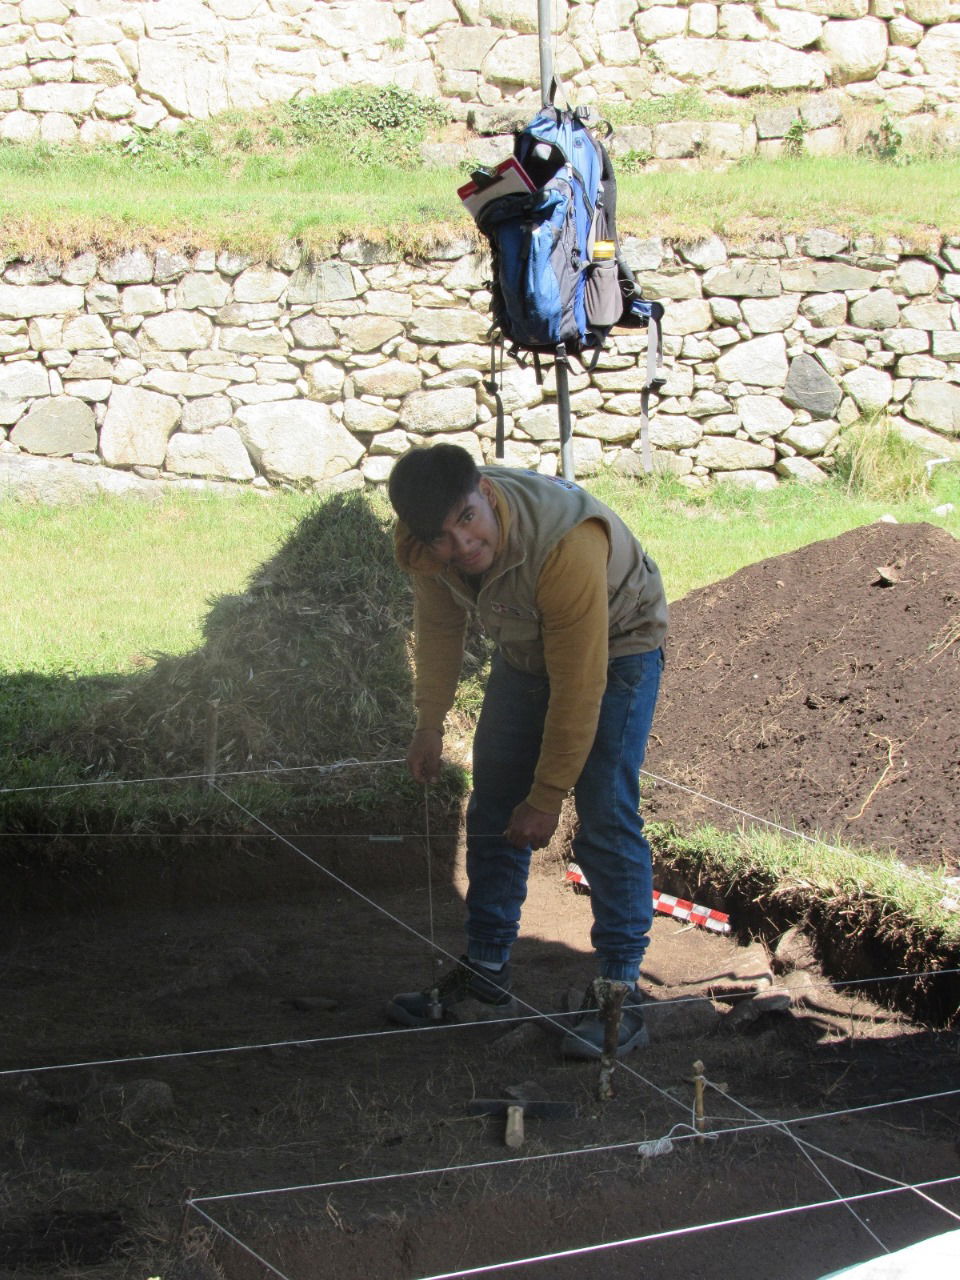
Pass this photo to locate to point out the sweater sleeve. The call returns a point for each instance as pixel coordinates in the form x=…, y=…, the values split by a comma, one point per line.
x=439, y=626
x=572, y=600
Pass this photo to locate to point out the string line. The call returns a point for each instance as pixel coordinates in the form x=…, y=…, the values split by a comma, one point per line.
x=607, y=1245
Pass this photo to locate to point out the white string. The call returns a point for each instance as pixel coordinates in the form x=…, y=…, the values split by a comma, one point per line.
x=676, y=1232
x=395, y=919
x=805, y=1147
x=237, y=1241
x=202, y=777
x=649, y=1238
x=915, y=872
x=609, y=1148
x=345, y=884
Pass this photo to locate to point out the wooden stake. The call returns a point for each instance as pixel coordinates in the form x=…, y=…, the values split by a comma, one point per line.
x=609, y=995
x=698, y=1083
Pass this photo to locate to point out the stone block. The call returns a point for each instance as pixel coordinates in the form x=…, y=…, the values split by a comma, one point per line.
x=674, y=431
x=137, y=426
x=877, y=309
x=19, y=127
x=674, y=284
x=687, y=317
x=447, y=324
x=392, y=378
x=426, y=412
x=219, y=452
x=770, y=315
x=206, y=412
x=259, y=286
x=174, y=382
x=178, y=330
x=259, y=342
x=946, y=345
x=760, y=362
x=723, y=453
x=57, y=428
x=142, y=300
x=743, y=278
x=810, y=387
x=871, y=388
x=928, y=315
x=22, y=302
x=798, y=276
x=921, y=367
x=136, y=267
x=935, y=405
x=297, y=440
x=23, y=379
x=763, y=417
x=906, y=342
x=86, y=333
x=325, y=380
x=68, y=99
x=825, y=310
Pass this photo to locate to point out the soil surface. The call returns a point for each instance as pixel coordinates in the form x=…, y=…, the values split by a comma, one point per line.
x=244, y=987
x=821, y=690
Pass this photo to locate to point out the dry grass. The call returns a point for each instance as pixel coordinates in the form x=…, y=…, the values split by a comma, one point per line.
x=306, y=665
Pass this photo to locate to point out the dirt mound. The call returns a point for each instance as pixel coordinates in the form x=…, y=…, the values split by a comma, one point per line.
x=820, y=689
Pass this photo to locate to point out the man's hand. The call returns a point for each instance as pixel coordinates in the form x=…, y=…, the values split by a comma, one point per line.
x=529, y=826
x=423, y=756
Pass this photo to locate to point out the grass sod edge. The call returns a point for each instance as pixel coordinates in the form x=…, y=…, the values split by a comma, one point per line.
x=864, y=919
x=112, y=208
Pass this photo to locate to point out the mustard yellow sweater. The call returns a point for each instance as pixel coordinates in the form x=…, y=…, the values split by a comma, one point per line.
x=571, y=596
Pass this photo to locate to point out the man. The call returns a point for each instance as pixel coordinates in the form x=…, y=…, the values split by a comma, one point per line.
x=578, y=615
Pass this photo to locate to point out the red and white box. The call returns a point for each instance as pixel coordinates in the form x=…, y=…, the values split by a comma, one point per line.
x=510, y=179
x=668, y=905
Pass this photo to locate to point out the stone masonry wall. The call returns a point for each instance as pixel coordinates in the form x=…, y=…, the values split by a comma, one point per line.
x=95, y=70
x=156, y=366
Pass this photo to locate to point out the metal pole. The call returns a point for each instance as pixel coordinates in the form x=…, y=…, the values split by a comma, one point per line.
x=544, y=26
x=546, y=50
x=563, y=412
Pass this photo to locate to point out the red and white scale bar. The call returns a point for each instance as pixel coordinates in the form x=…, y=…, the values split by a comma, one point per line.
x=668, y=905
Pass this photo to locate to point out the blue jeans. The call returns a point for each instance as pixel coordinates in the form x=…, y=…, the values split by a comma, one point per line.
x=610, y=847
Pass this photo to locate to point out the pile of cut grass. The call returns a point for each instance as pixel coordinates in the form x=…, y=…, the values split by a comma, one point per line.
x=306, y=667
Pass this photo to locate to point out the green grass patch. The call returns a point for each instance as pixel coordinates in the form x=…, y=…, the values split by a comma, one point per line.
x=698, y=537
x=908, y=901
x=101, y=587
x=323, y=169
x=875, y=461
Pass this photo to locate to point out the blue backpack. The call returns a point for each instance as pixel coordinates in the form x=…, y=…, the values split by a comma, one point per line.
x=547, y=292
x=550, y=292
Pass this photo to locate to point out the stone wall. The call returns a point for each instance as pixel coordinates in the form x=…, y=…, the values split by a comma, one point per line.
x=161, y=367
x=94, y=70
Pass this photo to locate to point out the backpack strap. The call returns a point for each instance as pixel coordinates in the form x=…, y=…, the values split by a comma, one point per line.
x=492, y=387
x=655, y=378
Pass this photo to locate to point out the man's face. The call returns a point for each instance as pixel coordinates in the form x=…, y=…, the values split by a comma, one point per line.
x=470, y=533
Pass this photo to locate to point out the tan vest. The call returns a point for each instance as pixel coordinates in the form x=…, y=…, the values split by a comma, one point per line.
x=542, y=510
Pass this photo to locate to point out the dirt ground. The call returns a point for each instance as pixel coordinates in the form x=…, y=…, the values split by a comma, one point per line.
x=820, y=690
x=248, y=986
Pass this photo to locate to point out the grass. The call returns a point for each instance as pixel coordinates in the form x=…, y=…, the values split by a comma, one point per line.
x=829, y=869
x=100, y=588
x=326, y=169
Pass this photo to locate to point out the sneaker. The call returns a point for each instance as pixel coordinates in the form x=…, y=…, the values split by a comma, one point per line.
x=585, y=1040
x=463, y=994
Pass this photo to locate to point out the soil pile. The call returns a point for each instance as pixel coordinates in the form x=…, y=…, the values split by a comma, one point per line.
x=820, y=689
